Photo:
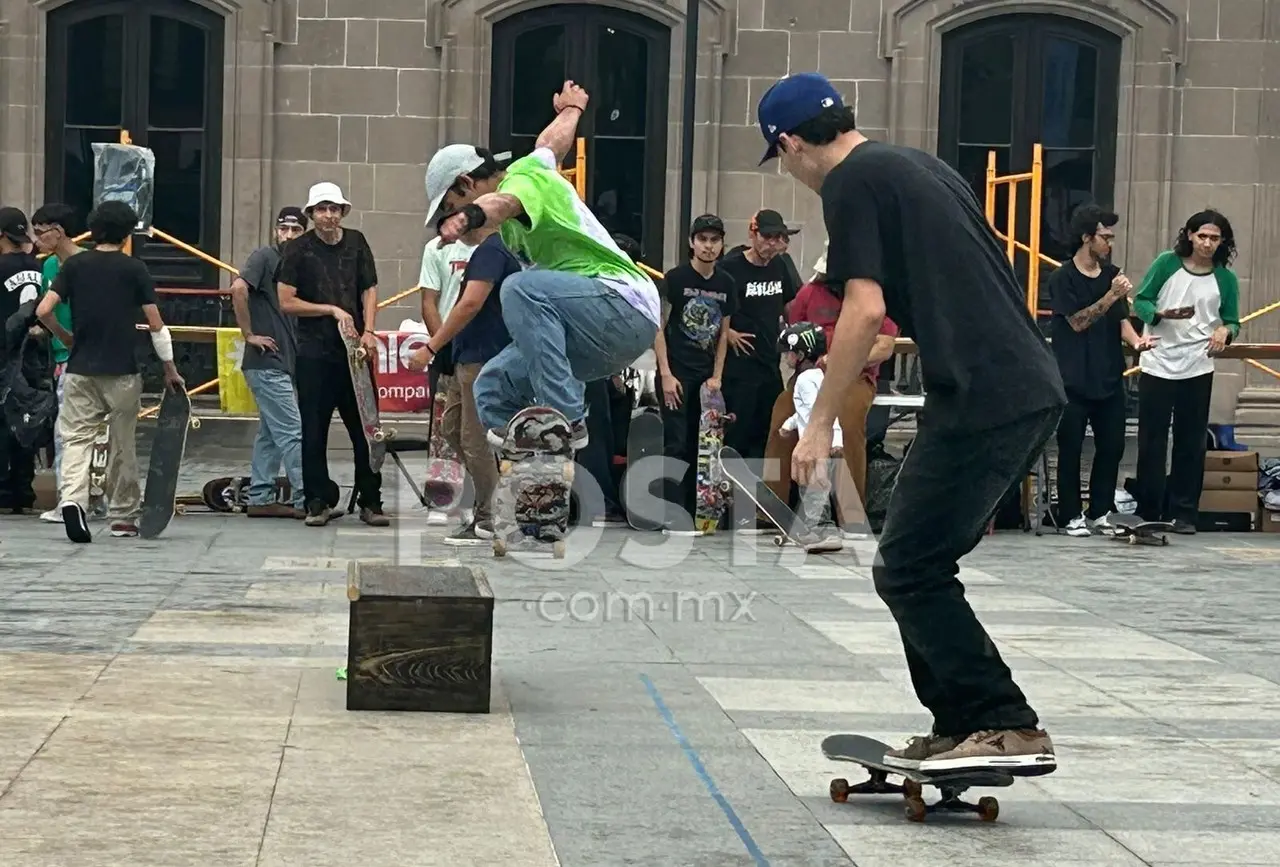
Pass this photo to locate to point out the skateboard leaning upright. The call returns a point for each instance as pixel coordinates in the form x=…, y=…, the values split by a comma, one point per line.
x=644, y=440
x=159, y=501
x=535, y=480
x=792, y=527
x=869, y=753
x=711, y=489
x=1140, y=532
x=444, y=471
x=99, y=458
x=360, y=365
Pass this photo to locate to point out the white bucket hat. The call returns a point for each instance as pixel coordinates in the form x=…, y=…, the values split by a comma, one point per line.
x=326, y=192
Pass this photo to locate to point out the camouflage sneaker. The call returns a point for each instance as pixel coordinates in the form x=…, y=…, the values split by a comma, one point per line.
x=918, y=749
x=1024, y=752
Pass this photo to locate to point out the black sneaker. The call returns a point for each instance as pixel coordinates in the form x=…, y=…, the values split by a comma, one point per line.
x=76, y=522
x=473, y=534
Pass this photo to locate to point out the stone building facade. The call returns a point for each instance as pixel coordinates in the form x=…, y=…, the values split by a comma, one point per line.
x=1157, y=106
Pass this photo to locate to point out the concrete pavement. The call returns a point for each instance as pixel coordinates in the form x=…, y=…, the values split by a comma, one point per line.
x=658, y=702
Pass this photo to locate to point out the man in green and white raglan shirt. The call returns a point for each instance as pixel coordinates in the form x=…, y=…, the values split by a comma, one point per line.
x=54, y=226
x=1190, y=302
x=581, y=311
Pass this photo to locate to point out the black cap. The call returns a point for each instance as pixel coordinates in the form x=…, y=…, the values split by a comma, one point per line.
x=707, y=223
x=769, y=222
x=291, y=215
x=14, y=225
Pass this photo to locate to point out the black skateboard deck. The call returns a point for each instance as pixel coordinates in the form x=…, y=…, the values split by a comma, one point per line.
x=869, y=753
x=792, y=527
x=1140, y=532
x=535, y=481
x=159, y=502
x=644, y=440
x=712, y=488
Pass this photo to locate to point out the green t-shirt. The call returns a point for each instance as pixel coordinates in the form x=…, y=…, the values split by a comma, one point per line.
x=561, y=233
x=62, y=312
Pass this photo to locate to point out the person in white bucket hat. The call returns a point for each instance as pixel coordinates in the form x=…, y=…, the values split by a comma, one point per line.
x=329, y=281
x=581, y=311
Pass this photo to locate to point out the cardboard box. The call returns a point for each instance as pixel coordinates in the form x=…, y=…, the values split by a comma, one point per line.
x=46, y=489
x=1270, y=521
x=1222, y=480
x=1229, y=511
x=1229, y=501
x=1231, y=462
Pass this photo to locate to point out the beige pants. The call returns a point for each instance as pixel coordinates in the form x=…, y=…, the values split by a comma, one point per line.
x=463, y=430
x=88, y=402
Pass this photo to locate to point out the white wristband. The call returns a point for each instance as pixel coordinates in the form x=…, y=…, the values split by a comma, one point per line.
x=163, y=343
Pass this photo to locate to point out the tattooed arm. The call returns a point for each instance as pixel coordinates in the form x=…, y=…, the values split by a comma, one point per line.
x=1081, y=320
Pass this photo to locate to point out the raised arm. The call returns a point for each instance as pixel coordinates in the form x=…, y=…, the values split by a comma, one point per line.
x=559, y=135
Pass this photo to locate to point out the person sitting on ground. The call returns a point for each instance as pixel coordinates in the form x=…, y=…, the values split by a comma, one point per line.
x=107, y=291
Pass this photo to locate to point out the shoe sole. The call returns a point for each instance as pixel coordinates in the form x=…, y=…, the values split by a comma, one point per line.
x=76, y=524
x=1019, y=766
x=467, y=543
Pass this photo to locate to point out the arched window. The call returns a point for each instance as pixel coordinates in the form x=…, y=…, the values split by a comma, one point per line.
x=1013, y=81
x=623, y=60
x=154, y=68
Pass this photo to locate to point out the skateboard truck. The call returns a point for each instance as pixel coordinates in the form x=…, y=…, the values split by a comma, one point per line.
x=987, y=807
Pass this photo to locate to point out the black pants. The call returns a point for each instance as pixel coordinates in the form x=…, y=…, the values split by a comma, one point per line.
x=1107, y=418
x=325, y=385
x=1186, y=401
x=680, y=442
x=750, y=396
x=17, y=473
x=947, y=491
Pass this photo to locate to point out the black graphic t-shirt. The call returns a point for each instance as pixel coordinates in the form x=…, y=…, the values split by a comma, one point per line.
x=698, y=306
x=20, y=282
x=764, y=291
x=336, y=274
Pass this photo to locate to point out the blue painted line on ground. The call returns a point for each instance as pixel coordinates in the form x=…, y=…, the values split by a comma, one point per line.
x=692, y=755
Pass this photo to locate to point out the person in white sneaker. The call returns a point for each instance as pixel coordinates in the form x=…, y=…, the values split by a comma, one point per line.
x=1089, y=299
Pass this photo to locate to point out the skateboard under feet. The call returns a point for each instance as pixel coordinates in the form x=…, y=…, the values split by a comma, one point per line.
x=712, y=488
x=535, y=480
x=869, y=753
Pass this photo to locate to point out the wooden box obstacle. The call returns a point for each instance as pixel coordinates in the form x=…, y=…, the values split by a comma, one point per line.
x=421, y=638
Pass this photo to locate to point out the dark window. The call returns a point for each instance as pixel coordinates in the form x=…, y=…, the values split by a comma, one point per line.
x=623, y=60
x=154, y=68
x=1013, y=81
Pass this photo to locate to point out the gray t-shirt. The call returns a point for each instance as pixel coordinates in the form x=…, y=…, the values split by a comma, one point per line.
x=265, y=316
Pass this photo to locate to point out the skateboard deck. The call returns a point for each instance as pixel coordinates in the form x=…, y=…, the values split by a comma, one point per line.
x=711, y=489
x=535, y=480
x=231, y=494
x=359, y=363
x=869, y=753
x=159, y=501
x=1140, y=532
x=99, y=457
x=792, y=527
x=443, y=486
x=644, y=439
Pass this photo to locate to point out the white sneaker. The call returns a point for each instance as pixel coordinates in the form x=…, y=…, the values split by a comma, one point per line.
x=1078, y=526
x=1103, y=525
x=53, y=516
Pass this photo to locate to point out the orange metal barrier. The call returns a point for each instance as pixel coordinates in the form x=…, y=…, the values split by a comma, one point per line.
x=1036, y=178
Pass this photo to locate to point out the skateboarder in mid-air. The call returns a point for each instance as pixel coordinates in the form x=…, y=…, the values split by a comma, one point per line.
x=328, y=280
x=105, y=289
x=584, y=310
x=692, y=346
x=908, y=238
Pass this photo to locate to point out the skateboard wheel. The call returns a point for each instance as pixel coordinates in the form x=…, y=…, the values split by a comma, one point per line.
x=379, y=436
x=988, y=809
x=505, y=467
x=568, y=472
x=499, y=547
x=195, y=423
x=558, y=549
x=362, y=355
x=912, y=790
x=916, y=810
x=839, y=790
x=779, y=541
x=179, y=509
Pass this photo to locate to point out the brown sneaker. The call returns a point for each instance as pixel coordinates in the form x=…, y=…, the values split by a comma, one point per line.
x=374, y=517
x=1023, y=752
x=319, y=517
x=918, y=749
x=271, y=510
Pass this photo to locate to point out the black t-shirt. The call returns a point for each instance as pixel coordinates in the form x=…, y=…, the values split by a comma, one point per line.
x=911, y=223
x=486, y=335
x=265, y=316
x=1091, y=361
x=106, y=292
x=336, y=274
x=20, y=282
x=764, y=291
x=698, y=306
x=787, y=262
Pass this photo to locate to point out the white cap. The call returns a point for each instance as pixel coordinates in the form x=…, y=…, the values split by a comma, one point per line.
x=450, y=163
x=326, y=192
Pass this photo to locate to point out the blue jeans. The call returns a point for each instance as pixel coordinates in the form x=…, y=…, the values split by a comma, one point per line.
x=566, y=330
x=279, y=437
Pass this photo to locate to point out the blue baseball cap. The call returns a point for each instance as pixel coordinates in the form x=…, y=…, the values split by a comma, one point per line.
x=790, y=102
